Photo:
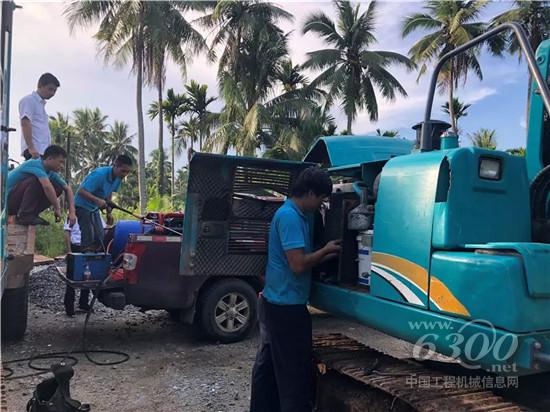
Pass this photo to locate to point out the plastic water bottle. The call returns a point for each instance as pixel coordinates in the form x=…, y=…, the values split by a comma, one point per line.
x=87, y=273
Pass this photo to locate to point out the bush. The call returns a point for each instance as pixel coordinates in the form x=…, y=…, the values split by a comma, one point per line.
x=50, y=240
x=119, y=215
x=159, y=204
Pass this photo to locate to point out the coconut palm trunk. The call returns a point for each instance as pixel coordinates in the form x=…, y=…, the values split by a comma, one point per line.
x=161, y=137
x=451, y=97
x=173, y=182
x=141, y=138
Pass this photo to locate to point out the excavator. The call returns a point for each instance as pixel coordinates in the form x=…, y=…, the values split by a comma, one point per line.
x=445, y=247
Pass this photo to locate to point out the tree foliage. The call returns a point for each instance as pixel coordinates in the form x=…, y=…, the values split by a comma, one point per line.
x=484, y=138
x=351, y=70
x=451, y=24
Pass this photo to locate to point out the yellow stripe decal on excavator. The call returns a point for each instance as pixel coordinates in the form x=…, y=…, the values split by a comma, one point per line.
x=444, y=299
x=409, y=270
x=440, y=295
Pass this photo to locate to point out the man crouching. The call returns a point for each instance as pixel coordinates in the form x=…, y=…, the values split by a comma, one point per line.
x=36, y=185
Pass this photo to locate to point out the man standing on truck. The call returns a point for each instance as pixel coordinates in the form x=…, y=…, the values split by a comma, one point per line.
x=35, y=185
x=35, y=130
x=282, y=378
x=93, y=194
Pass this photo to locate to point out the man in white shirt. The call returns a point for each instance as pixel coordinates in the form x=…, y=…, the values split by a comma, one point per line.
x=72, y=242
x=35, y=130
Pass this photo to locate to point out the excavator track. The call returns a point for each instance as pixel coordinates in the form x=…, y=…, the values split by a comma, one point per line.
x=418, y=386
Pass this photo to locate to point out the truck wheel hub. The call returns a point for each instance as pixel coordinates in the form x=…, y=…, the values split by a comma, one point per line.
x=232, y=312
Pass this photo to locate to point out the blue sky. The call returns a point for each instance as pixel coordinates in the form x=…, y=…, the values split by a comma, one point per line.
x=42, y=42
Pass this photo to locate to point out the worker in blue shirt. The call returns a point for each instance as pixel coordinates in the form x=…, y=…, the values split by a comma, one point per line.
x=35, y=185
x=282, y=377
x=93, y=194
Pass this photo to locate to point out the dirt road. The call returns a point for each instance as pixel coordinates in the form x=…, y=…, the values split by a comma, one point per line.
x=171, y=367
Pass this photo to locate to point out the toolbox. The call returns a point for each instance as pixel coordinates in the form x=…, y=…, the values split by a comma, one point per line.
x=99, y=264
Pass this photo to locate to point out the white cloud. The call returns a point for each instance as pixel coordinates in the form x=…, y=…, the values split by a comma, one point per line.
x=475, y=95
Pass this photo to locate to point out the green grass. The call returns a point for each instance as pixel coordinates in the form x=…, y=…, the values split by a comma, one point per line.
x=50, y=239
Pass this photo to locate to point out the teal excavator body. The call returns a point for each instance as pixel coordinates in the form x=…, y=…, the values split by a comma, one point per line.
x=460, y=256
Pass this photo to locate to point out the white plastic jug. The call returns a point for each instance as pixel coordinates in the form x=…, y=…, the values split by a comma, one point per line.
x=364, y=258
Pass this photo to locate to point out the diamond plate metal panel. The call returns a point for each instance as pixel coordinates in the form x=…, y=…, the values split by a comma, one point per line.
x=239, y=250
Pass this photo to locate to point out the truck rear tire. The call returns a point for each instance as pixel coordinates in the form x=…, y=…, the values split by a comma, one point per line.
x=15, y=305
x=227, y=310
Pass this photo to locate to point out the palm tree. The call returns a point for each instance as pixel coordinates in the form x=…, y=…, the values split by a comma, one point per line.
x=253, y=48
x=518, y=151
x=152, y=170
x=196, y=103
x=534, y=16
x=350, y=69
x=291, y=76
x=452, y=23
x=387, y=133
x=188, y=133
x=61, y=131
x=167, y=39
x=127, y=195
x=235, y=21
x=118, y=141
x=90, y=129
x=484, y=138
x=172, y=107
x=60, y=128
x=182, y=176
x=245, y=110
x=293, y=139
x=458, y=110
x=298, y=93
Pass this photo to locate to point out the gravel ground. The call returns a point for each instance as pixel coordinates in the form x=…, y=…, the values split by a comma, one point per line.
x=171, y=367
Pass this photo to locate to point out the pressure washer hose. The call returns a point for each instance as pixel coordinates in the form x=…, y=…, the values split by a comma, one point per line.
x=66, y=355
x=113, y=205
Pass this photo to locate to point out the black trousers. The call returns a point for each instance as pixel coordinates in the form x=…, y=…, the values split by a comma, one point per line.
x=282, y=377
x=70, y=292
x=91, y=228
x=27, y=198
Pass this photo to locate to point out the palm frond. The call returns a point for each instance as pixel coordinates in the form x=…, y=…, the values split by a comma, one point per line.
x=319, y=23
x=320, y=59
x=419, y=21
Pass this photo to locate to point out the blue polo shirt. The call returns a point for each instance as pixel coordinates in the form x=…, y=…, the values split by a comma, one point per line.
x=290, y=229
x=100, y=183
x=32, y=167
